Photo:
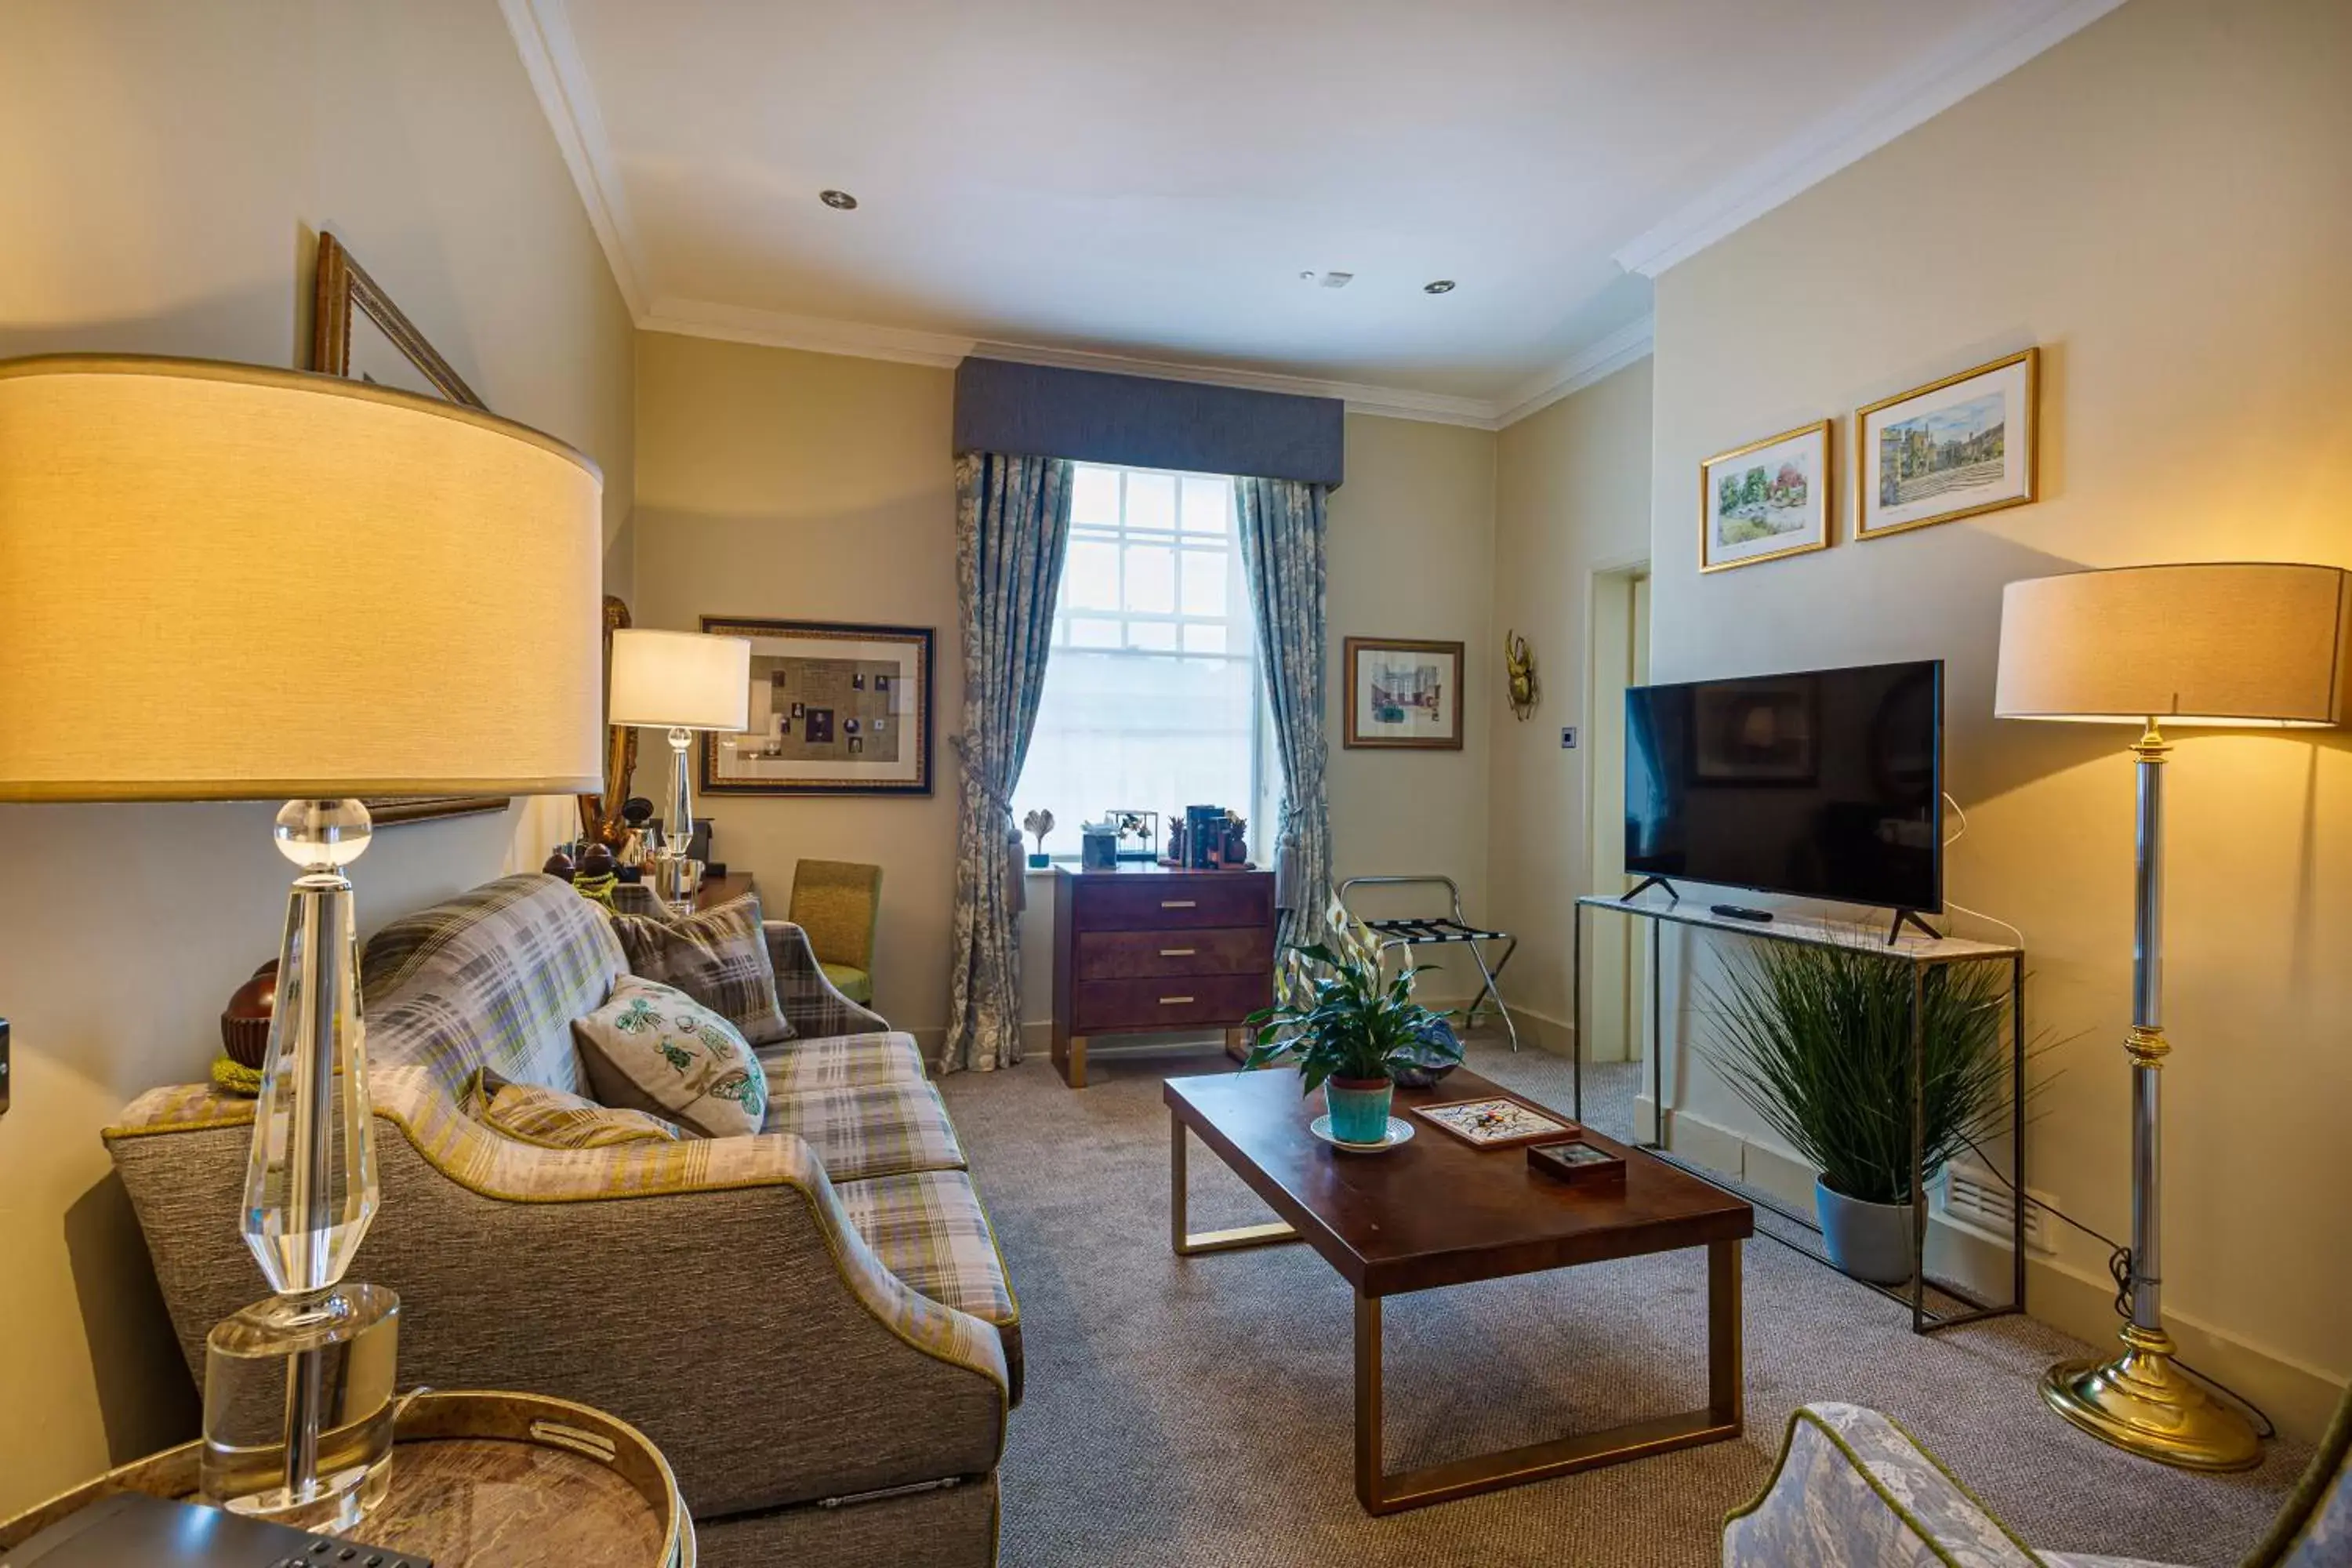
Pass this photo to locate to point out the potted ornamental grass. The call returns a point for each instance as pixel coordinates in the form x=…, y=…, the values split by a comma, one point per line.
x=1817, y=1040
x=1353, y=1032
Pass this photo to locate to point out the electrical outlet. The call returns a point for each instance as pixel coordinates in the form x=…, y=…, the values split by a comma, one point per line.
x=1568, y=737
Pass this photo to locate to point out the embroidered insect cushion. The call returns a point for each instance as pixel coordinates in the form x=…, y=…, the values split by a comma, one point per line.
x=653, y=1048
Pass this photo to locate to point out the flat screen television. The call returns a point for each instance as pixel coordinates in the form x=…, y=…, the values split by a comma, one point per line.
x=1823, y=784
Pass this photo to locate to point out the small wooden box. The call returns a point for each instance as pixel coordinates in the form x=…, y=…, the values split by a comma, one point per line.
x=1577, y=1163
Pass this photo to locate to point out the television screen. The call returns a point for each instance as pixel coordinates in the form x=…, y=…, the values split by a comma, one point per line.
x=1826, y=784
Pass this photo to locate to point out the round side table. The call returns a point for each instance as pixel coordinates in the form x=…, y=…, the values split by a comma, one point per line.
x=519, y=1479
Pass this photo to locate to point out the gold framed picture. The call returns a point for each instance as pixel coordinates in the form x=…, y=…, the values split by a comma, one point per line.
x=1766, y=499
x=835, y=709
x=1403, y=694
x=1957, y=447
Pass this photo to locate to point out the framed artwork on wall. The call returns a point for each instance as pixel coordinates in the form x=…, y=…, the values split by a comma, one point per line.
x=837, y=709
x=1953, y=449
x=358, y=332
x=1404, y=694
x=1766, y=499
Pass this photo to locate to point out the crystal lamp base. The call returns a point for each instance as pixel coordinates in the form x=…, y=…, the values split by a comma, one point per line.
x=335, y=1350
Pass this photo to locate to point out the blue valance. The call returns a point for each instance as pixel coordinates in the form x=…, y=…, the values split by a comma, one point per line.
x=1095, y=416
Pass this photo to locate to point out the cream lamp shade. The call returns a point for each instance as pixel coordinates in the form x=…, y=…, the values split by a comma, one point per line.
x=681, y=680
x=228, y=582
x=2232, y=642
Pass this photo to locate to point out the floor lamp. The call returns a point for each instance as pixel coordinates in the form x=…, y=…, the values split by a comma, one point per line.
x=226, y=582
x=2239, y=644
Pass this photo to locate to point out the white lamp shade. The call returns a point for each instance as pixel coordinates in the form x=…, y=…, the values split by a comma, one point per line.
x=2235, y=642
x=681, y=680
x=229, y=582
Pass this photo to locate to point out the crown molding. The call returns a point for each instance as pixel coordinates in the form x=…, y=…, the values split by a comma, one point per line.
x=551, y=56
x=1602, y=358
x=775, y=328
x=1973, y=59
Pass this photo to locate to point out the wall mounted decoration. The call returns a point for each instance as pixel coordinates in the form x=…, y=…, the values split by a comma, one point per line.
x=1519, y=675
x=1952, y=448
x=1766, y=499
x=358, y=332
x=1404, y=694
x=600, y=815
x=835, y=710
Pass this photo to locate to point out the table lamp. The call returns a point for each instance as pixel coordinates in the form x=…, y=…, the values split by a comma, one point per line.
x=224, y=582
x=2242, y=644
x=681, y=681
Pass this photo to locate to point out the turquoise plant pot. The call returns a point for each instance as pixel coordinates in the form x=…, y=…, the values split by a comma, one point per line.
x=1358, y=1108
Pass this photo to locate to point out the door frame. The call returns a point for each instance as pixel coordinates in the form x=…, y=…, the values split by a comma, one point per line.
x=1616, y=657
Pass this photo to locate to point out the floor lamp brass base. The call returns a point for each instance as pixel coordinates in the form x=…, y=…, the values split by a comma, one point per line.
x=2143, y=1403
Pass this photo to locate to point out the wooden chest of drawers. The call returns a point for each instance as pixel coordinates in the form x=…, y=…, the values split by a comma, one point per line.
x=1143, y=950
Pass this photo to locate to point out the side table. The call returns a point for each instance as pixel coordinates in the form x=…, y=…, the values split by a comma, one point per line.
x=521, y=1480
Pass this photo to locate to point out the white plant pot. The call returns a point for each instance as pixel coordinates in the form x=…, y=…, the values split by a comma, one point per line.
x=1869, y=1241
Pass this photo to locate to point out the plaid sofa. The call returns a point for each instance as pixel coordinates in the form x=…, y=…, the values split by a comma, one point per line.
x=813, y=1322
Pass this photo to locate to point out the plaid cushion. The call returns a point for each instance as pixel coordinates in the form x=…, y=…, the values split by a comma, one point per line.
x=928, y=1229
x=550, y=1118
x=718, y=957
x=843, y=1062
x=883, y=1130
x=490, y=979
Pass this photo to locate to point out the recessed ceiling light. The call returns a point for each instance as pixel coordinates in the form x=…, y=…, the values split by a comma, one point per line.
x=1443, y=286
x=840, y=201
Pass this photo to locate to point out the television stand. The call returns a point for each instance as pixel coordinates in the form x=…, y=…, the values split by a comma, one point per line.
x=1645, y=884
x=1910, y=917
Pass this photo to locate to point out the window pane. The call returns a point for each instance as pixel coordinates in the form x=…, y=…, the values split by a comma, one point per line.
x=1198, y=638
x=1204, y=582
x=1094, y=496
x=1150, y=579
x=1204, y=504
x=1090, y=576
x=1084, y=633
x=1160, y=635
x=1151, y=502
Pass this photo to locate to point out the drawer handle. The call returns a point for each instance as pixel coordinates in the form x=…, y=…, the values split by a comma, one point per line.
x=1173, y=1001
x=1177, y=903
x=1178, y=952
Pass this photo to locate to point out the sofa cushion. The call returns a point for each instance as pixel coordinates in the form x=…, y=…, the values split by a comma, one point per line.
x=550, y=1118
x=841, y=1061
x=653, y=1048
x=491, y=978
x=879, y=1130
x=928, y=1229
x=718, y=956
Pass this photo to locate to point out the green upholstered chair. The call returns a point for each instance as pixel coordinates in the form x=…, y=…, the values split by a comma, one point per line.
x=838, y=903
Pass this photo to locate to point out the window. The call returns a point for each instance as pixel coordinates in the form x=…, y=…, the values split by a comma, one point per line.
x=1152, y=698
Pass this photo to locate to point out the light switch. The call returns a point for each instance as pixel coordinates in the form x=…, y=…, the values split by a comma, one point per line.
x=1568, y=737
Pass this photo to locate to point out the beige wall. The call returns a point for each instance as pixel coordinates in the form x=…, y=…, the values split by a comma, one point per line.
x=772, y=482
x=163, y=172
x=2159, y=203
x=1572, y=497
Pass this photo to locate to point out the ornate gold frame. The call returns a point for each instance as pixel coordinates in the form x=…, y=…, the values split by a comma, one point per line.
x=2032, y=359
x=600, y=815
x=1829, y=495
x=1356, y=741
x=341, y=286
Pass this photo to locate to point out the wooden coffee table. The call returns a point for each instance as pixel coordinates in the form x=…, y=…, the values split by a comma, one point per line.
x=1438, y=1212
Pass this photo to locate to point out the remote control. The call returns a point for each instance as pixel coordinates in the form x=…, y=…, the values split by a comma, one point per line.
x=1735, y=912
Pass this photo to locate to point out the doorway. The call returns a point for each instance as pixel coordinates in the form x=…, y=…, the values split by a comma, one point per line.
x=1618, y=950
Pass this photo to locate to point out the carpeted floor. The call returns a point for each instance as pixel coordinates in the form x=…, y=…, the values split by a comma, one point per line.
x=1200, y=1411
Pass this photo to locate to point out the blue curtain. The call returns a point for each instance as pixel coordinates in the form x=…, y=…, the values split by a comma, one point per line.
x=1283, y=525
x=1013, y=520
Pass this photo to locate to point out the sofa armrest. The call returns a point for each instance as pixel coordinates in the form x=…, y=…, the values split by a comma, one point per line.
x=710, y=1292
x=815, y=1009
x=1854, y=1490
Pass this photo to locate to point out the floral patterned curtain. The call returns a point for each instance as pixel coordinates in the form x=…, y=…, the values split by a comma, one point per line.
x=1013, y=522
x=1283, y=523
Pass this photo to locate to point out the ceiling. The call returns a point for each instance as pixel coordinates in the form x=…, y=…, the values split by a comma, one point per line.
x=1131, y=178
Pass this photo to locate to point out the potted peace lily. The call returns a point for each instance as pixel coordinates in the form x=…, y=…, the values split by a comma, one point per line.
x=1352, y=1032
x=1817, y=1040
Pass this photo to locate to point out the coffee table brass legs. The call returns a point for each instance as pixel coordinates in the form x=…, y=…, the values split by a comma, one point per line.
x=1382, y=1491
x=1186, y=1244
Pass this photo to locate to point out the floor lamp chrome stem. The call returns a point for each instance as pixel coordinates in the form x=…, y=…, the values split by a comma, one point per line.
x=2141, y=1400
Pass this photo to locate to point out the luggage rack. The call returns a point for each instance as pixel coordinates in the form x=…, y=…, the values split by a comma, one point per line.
x=1422, y=930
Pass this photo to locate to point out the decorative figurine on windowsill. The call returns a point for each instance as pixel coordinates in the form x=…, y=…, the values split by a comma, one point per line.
x=1039, y=822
